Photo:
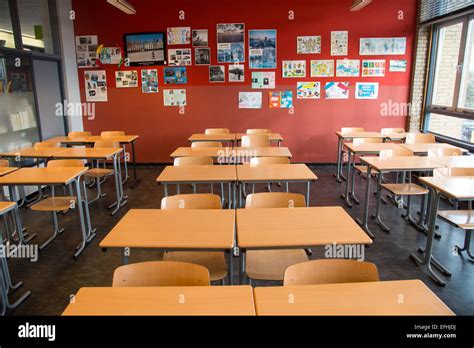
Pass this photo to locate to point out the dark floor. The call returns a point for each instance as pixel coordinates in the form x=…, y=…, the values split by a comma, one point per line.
x=57, y=275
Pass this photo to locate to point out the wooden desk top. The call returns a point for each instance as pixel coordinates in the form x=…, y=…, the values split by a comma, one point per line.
x=424, y=148
x=272, y=136
x=275, y=172
x=31, y=152
x=124, y=139
x=297, y=228
x=202, y=152
x=402, y=163
x=371, y=298
x=88, y=153
x=163, y=301
x=454, y=161
x=179, y=229
x=211, y=137
x=354, y=135
x=198, y=174
x=370, y=148
x=460, y=187
x=7, y=170
x=42, y=176
x=270, y=151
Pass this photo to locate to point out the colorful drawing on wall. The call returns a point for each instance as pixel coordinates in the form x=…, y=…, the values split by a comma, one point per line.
x=217, y=73
x=179, y=57
x=179, y=36
x=146, y=48
x=86, y=51
x=236, y=73
x=294, y=68
x=339, y=43
x=175, y=76
x=110, y=55
x=308, y=90
x=126, y=79
x=373, y=68
x=174, y=97
x=95, y=85
x=202, y=56
x=322, y=68
x=308, y=44
x=348, y=68
x=231, y=43
x=149, y=81
x=200, y=38
x=367, y=90
x=398, y=66
x=337, y=90
x=250, y=100
x=383, y=46
x=263, y=49
x=280, y=100
x=263, y=79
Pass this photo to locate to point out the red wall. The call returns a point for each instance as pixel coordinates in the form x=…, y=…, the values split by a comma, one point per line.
x=309, y=132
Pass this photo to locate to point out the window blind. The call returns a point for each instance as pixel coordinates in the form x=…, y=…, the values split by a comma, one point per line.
x=435, y=9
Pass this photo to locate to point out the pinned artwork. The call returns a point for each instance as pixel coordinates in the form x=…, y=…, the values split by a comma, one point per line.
x=322, y=68
x=263, y=79
x=149, y=81
x=383, y=46
x=95, y=85
x=294, y=68
x=308, y=90
x=174, y=97
x=217, y=73
x=339, y=43
x=200, y=38
x=348, y=68
x=367, y=90
x=236, y=73
x=110, y=55
x=179, y=57
x=179, y=36
x=250, y=100
x=202, y=56
x=373, y=68
x=86, y=51
x=175, y=76
x=262, y=49
x=280, y=100
x=337, y=90
x=308, y=44
x=231, y=43
x=126, y=79
x=398, y=66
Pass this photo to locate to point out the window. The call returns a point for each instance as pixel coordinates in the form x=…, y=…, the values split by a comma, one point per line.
x=6, y=30
x=35, y=25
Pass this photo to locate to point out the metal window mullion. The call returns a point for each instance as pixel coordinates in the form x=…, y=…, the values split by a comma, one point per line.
x=16, y=26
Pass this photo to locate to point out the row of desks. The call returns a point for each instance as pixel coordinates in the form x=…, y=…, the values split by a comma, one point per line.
x=230, y=138
x=232, y=155
x=372, y=298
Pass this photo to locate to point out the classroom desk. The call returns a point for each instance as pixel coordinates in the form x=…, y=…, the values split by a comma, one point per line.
x=454, y=161
x=250, y=152
x=224, y=138
x=387, y=165
x=228, y=155
x=200, y=175
x=163, y=301
x=272, y=136
x=56, y=176
x=370, y=298
x=247, y=174
x=7, y=170
x=295, y=228
x=100, y=154
x=423, y=149
x=32, y=153
x=214, y=152
x=457, y=187
x=361, y=149
x=174, y=230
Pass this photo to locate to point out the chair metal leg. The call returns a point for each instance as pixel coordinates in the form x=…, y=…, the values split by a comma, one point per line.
x=57, y=231
x=467, y=245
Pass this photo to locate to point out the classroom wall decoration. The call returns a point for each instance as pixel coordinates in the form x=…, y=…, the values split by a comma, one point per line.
x=250, y=100
x=86, y=51
x=383, y=46
x=179, y=57
x=202, y=56
x=110, y=55
x=146, y=48
x=280, y=100
x=308, y=90
x=337, y=90
x=95, y=85
x=398, y=66
x=294, y=68
x=339, y=43
x=200, y=38
x=236, y=73
x=179, y=36
x=126, y=79
x=263, y=49
x=231, y=43
x=149, y=81
x=367, y=90
x=373, y=68
x=322, y=68
x=348, y=68
x=175, y=76
x=308, y=44
x=174, y=97
x=217, y=73
x=263, y=79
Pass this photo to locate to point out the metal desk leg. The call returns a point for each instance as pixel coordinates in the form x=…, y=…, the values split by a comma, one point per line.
x=365, y=221
x=82, y=245
x=125, y=256
x=91, y=232
x=136, y=180
x=4, y=290
x=376, y=216
x=339, y=160
x=347, y=194
x=231, y=267
x=230, y=196
x=242, y=266
x=18, y=223
x=125, y=165
x=467, y=244
x=166, y=189
x=308, y=186
x=121, y=200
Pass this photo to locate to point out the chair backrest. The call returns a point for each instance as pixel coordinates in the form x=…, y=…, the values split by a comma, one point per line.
x=255, y=140
x=4, y=163
x=217, y=131
x=193, y=161
x=106, y=144
x=257, y=161
x=111, y=134
x=65, y=163
x=420, y=138
x=453, y=171
x=395, y=153
x=46, y=144
x=275, y=200
x=329, y=272
x=444, y=152
x=192, y=201
x=388, y=131
x=197, y=144
x=79, y=134
x=358, y=141
x=347, y=130
x=258, y=131
x=161, y=273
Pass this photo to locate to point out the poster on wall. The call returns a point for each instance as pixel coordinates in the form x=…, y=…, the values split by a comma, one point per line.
x=236, y=73
x=398, y=66
x=175, y=76
x=126, y=79
x=217, y=73
x=263, y=49
x=308, y=44
x=250, y=100
x=202, y=56
x=145, y=48
x=294, y=68
x=110, y=55
x=367, y=90
x=86, y=51
x=179, y=57
x=308, y=90
x=373, y=68
x=231, y=43
x=348, y=68
x=179, y=36
x=174, y=97
x=280, y=100
x=322, y=68
x=149, y=81
x=263, y=79
x=339, y=43
x=200, y=38
x=337, y=90
x=95, y=85
x=383, y=46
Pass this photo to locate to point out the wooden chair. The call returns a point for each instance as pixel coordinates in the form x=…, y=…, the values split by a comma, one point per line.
x=420, y=138
x=193, y=161
x=388, y=131
x=200, y=144
x=213, y=261
x=160, y=273
x=271, y=264
x=444, y=152
x=258, y=161
x=348, y=130
x=330, y=272
x=46, y=144
x=56, y=204
x=255, y=140
x=210, y=131
x=258, y=131
x=111, y=134
x=73, y=135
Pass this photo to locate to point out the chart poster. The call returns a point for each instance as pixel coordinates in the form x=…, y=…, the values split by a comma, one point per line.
x=176, y=76
x=339, y=43
x=294, y=68
x=236, y=73
x=200, y=38
x=308, y=90
x=322, y=68
x=86, y=51
x=308, y=44
x=348, y=68
x=280, y=100
x=95, y=85
x=263, y=49
x=179, y=57
x=149, y=81
x=337, y=90
x=250, y=100
x=367, y=90
x=174, y=97
x=126, y=79
x=382, y=46
x=110, y=55
x=179, y=36
x=373, y=68
x=263, y=79
x=231, y=43
x=398, y=66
